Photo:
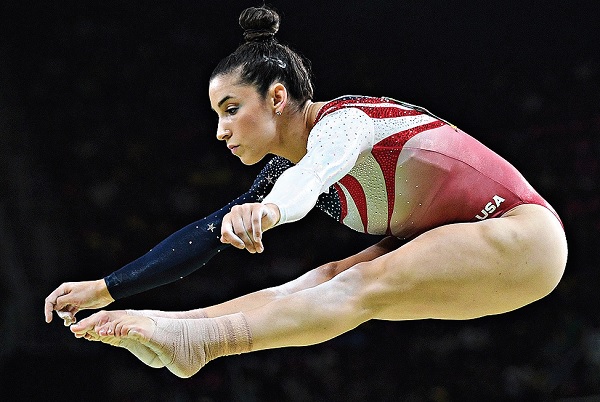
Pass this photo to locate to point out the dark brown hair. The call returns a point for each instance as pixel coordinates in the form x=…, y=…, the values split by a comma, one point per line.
x=262, y=60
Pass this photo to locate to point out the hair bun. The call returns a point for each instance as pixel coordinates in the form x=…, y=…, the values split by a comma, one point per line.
x=259, y=23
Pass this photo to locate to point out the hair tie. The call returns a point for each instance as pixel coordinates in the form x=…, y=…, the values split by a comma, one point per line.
x=257, y=35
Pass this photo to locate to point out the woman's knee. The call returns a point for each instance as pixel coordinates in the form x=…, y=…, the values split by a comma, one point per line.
x=366, y=286
x=538, y=241
x=328, y=271
x=314, y=277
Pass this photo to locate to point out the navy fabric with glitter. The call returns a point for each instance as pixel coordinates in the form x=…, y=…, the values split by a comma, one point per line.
x=191, y=247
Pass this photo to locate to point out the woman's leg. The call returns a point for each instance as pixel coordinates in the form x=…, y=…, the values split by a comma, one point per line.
x=457, y=271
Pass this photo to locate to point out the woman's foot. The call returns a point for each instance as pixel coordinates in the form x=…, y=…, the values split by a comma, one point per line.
x=184, y=346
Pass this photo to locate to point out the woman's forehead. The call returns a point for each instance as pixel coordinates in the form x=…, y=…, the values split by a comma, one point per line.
x=228, y=86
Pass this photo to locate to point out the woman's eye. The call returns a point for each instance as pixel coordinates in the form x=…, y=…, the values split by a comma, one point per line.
x=232, y=110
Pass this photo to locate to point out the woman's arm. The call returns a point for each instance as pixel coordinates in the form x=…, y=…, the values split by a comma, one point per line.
x=175, y=257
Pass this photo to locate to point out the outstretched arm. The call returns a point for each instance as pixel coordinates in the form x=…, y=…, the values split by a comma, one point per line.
x=175, y=257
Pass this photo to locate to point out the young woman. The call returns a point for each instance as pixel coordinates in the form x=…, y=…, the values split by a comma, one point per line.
x=467, y=235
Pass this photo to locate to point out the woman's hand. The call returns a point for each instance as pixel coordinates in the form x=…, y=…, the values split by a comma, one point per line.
x=70, y=297
x=244, y=225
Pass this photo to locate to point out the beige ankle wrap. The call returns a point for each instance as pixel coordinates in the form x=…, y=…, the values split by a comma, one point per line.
x=186, y=345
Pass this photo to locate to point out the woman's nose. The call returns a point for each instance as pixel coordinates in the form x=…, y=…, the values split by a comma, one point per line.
x=223, y=134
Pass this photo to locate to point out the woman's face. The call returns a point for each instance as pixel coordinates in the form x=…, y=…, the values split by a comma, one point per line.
x=246, y=120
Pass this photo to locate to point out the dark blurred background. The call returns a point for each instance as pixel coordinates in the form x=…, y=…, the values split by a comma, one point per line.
x=107, y=145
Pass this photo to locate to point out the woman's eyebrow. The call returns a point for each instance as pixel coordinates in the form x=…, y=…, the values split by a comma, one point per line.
x=225, y=99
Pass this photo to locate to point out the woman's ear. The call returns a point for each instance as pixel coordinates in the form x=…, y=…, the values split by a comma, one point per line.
x=279, y=95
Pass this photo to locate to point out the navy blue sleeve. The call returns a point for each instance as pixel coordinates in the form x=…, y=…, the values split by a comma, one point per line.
x=189, y=248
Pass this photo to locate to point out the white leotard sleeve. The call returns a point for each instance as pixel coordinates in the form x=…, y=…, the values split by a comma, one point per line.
x=333, y=147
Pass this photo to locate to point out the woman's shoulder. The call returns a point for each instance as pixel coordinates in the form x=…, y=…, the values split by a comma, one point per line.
x=349, y=101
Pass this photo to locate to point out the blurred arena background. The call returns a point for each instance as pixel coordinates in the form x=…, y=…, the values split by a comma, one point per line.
x=107, y=145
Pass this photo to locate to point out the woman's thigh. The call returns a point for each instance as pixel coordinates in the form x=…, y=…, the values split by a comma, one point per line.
x=468, y=270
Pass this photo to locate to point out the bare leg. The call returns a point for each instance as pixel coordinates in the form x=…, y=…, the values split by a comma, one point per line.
x=459, y=271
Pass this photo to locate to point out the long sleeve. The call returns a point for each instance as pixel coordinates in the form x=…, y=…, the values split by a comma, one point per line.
x=189, y=248
x=334, y=146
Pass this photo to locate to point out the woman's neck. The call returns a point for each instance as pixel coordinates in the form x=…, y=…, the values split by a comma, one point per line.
x=295, y=129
